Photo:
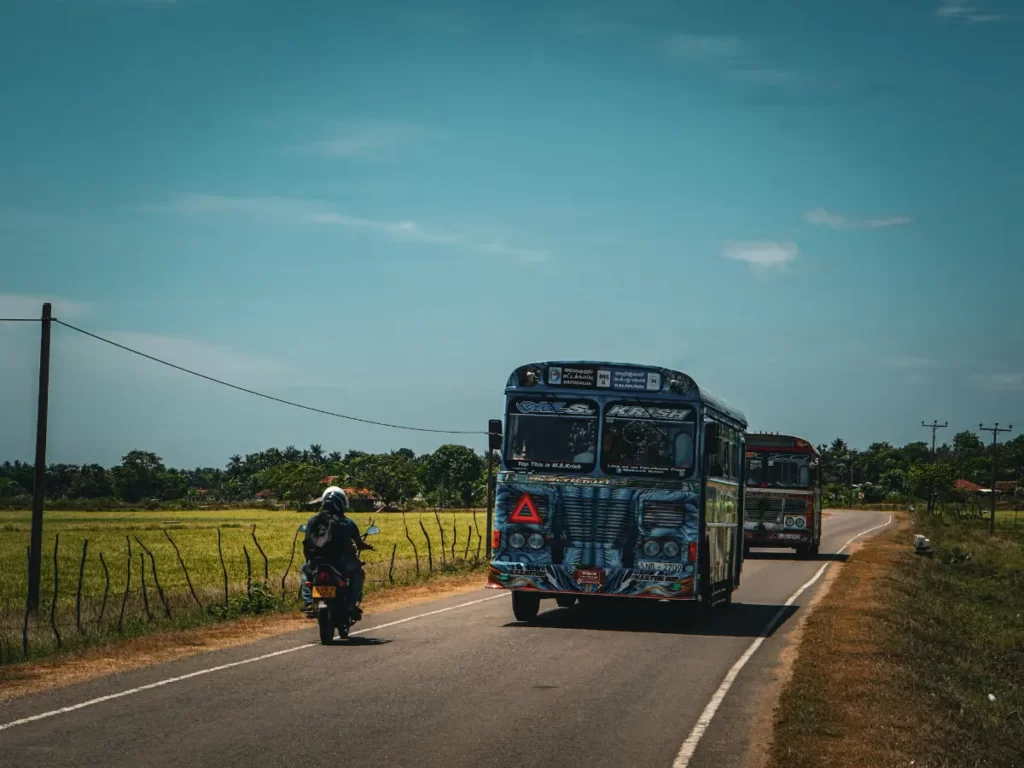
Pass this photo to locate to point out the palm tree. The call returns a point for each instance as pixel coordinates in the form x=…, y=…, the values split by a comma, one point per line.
x=316, y=453
x=334, y=457
x=291, y=453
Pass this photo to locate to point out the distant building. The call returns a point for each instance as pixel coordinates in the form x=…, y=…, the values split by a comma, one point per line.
x=967, y=485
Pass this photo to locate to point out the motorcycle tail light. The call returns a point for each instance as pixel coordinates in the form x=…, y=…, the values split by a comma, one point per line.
x=322, y=577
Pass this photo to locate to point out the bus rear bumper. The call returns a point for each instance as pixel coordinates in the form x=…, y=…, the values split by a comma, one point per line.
x=777, y=538
x=555, y=580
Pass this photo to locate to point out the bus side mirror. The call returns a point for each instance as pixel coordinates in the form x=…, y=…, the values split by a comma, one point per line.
x=494, y=434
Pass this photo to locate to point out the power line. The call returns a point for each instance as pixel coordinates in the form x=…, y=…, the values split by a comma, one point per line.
x=20, y=320
x=267, y=397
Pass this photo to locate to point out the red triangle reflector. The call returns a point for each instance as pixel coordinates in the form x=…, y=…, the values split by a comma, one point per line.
x=525, y=511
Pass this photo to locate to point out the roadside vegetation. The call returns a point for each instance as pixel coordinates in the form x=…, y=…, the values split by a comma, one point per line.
x=409, y=549
x=914, y=660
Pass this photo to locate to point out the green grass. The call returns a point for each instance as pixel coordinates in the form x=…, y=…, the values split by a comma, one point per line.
x=195, y=533
x=959, y=631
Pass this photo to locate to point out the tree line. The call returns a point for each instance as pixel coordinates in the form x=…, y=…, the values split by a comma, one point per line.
x=886, y=473
x=455, y=475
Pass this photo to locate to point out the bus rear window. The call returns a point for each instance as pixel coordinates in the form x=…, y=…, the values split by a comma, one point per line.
x=551, y=435
x=648, y=439
x=779, y=470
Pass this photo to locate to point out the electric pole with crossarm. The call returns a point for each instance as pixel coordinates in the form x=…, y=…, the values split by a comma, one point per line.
x=995, y=430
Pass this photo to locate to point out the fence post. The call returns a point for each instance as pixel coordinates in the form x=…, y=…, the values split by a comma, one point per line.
x=391, y=568
x=127, y=586
x=415, y=551
x=145, y=594
x=430, y=550
x=78, y=598
x=39, y=483
x=28, y=609
x=156, y=579
x=56, y=585
x=266, y=563
x=188, y=579
x=469, y=536
x=248, y=571
x=290, y=560
x=106, y=591
x=440, y=530
x=224, y=567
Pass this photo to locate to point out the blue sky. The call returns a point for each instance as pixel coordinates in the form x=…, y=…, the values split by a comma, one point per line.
x=382, y=208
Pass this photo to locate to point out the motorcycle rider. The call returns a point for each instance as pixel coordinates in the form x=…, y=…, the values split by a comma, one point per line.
x=335, y=538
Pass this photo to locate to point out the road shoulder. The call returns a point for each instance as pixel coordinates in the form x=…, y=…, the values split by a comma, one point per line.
x=160, y=648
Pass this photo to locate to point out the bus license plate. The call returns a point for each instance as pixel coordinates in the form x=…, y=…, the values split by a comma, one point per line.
x=589, y=576
x=324, y=591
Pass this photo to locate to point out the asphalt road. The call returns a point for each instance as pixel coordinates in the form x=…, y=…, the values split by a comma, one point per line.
x=461, y=686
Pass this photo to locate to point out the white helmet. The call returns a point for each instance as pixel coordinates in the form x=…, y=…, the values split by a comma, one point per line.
x=334, y=499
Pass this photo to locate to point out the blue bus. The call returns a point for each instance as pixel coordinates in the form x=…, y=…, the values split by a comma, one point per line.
x=616, y=480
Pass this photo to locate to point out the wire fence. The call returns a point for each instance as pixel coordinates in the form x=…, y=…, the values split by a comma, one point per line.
x=153, y=582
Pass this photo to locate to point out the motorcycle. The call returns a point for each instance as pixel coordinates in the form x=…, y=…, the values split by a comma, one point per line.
x=329, y=589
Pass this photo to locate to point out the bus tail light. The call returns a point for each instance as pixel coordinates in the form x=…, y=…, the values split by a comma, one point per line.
x=691, y=552
x=495, y=540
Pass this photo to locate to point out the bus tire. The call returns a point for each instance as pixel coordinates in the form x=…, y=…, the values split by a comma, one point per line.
x=525, y=605
x=566, y=601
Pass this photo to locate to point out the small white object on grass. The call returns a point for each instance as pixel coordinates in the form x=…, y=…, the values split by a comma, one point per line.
x=992, y=697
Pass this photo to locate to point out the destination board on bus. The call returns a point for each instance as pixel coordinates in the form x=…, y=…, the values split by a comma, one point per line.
x=770, y=441
x=593, y=377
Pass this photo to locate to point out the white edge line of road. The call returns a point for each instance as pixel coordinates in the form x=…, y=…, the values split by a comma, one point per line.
x=210, y=670
x=689, y=746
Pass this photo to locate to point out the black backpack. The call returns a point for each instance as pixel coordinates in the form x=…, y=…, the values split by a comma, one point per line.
x=325, y=537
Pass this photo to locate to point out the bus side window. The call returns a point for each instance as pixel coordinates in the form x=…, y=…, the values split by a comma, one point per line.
x=712, y=450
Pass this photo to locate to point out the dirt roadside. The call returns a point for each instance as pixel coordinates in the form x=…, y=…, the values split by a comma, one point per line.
x=838, y=706
x=59, y=671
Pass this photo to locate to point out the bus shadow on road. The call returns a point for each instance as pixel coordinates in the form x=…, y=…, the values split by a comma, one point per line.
x=823, y=557
x=737, y=620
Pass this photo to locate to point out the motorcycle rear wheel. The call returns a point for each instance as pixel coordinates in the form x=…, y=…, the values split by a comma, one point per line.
x=326, y=626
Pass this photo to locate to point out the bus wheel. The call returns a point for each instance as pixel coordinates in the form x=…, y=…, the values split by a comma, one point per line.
x=814, y=549
x=746, y=550
x=566, y=601
x=525, y=605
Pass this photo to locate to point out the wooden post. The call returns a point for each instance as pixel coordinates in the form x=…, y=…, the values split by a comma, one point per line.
x=39, y=483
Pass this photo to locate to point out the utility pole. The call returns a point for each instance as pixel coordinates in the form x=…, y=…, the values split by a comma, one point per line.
x=931, y=488
x=35, y=556
x=995, y=430
x=934, y=426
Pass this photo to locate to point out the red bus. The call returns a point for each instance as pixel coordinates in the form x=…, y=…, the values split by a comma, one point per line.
x=783, y=499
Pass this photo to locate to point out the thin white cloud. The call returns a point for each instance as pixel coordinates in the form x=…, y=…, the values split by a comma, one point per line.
x=1000, y=382
x=888, y=221
x=713, y=48
x=367, y=138
x=21, y=305
x=768, y=76
x=963, y=10
x=913, y=363
x=762, y=254
x=825, y=218
x=316, y=212
x=214, y=360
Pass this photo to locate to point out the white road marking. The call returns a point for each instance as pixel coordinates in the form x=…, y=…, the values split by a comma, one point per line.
x=201, y=672
x=690, y=745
